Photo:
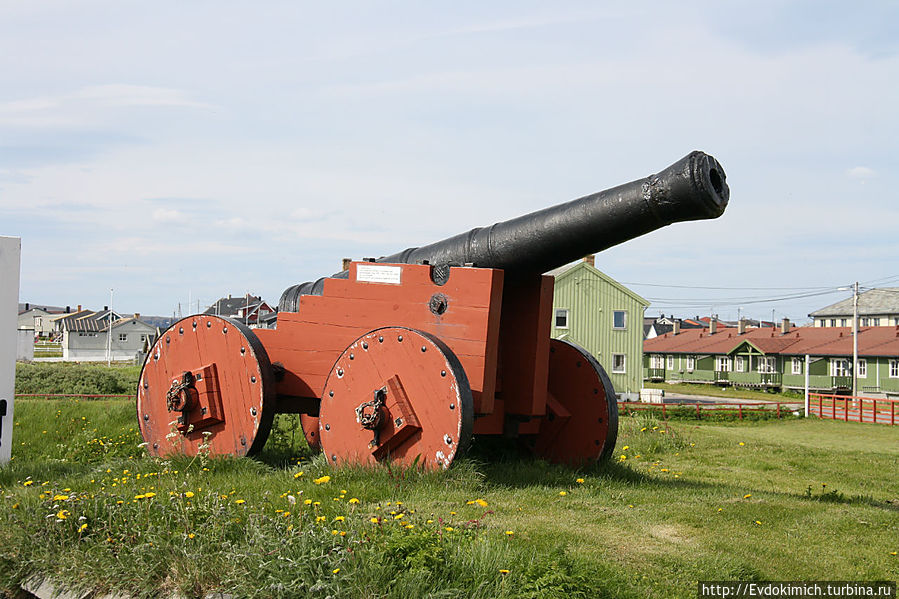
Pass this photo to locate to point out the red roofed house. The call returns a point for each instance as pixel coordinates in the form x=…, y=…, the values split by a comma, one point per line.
x=775, y=357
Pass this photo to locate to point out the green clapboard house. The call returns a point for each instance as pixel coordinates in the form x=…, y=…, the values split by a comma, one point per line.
x=596, y=312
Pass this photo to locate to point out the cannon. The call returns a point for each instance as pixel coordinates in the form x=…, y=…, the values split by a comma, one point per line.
x=409, y=357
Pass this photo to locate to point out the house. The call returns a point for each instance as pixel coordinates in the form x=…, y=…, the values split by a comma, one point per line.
x=653, y=327
x=91, y=337
x=596, y=312
x=876, y=308
x=247, y=309
x=37, y=319
x=777, y=357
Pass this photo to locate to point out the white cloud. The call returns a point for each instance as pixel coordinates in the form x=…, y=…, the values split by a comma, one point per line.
x=861, y=172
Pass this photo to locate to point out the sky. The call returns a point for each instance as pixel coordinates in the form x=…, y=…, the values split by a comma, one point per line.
x=176, y=152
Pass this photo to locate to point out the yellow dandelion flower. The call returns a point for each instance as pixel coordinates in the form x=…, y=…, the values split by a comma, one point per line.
x=27, y=483
x=481, y=502
x=191, y=535
x=503, y=571
x=643, y=429
x=307, y=501
x=298, y=474
x=322, y=480
x=141, y=496
x=320, y=518
x=625, y=448
x=339, y=518
x=150, y=494
x=630, y=505
x=449, y=529
x=510, y=533
x=373, y=520
x=758, y=522
x=189, y=494
x=15, y=506
x=579, y=481
x=410, y=526
x=622, y=457
x=741, y=444
x=83, y=527
x=239, y=501
x=343, y=533
x=343, y=491
x=399, y=516
x=720, y=509
x=60, y=498
x=316, y=503
x=563, y=493
x=452, y=513
x=427, y=522
x=894, y=553
x=354, y=500
x=747, y=496
x=335, y=570
x=62, y=514
x=335, y=532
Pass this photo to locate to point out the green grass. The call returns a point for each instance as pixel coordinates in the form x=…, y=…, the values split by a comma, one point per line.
x=689, y=501
x=79, y=378
x=730, y=392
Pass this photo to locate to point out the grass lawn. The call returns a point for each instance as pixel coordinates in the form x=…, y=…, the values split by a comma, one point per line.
x=729, y=392
x=680, y=502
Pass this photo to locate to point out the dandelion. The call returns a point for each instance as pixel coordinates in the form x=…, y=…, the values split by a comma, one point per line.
x=191, y=535
x=335, y=570
x=316, y=503
x=343, y=533
x=322, y=480
x=503, y=571
x=741, y=444
x=335, y=532
x=630, y=505
x=320, y=518
x=82, y=528
x=664, y=470
x=894, y=553
x=240, y=501
x=579, y=481
x=15, y=506
x=720, y=509
x=189, y=494
x=27, y=483
x=625, y=448
x=622, y=457
x=339, y=518
x=354, y=500
x=298, y=474
x=449, y=529
x=563, y=493
x=758, y=522
x=510, y=533
x=410, y=526
x=60, y=498
x=399, y=516
x=373, y=520
x=150, y=494
x=62, y=514
x=307, y=502
x=747, y=496
x=452, y=513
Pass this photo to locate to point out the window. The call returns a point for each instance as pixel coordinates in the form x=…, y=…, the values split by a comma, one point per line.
x=894, y=369
x=670, y=362
x=797, y=365
x=766, y=364
x=562, y=318
x=875, y=322
x=833, y=322
x=839, y=367
x=618, y=363
x=739, y=364
x=143, y=338
x=844, y=322
x=619, y=319
x=862, y=369
x=691, y=363
x=124, y=336
x=864, y=322
x=656, y=361
x=722, y=364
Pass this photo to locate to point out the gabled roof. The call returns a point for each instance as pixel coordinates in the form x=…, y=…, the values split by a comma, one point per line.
x=72, y=315
x=799, y=341
x=871, y=302
x=229, y=306
x=569, y=269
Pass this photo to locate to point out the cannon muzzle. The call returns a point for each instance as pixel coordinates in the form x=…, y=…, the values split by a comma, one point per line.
x=692, y=188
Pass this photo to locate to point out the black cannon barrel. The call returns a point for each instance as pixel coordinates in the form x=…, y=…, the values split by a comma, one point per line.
x=692, y=188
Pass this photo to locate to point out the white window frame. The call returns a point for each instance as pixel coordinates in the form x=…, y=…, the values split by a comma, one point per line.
x=876, y=322
x=657, y=361
x=739, y=364
x=670, y=362
x=797, y=366
x=691, y=363
x=722, y=364
x=864, y=321
x=833, y=322
x=839, y=367
x=123, y=337
x=766, y=365
x=562, y=313
x=894, y=369
x=623, y=313
x=861, y=368
x=623, y=366
x=844, y=322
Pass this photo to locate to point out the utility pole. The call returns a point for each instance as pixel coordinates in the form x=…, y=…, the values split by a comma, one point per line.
x=855, y=340
x=109, y=331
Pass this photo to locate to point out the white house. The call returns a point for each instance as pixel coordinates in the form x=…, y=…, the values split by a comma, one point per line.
x=91, y=339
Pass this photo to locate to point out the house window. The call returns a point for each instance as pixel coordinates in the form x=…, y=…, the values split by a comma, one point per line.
x=864, y=322
x=657, y=361
x=766, y=364
x=797, y=365
x=123, y=336
x=875, y=322
x=739, y=364
x=670, y=362
x=619, y=319
x=862, y=369
x=722, y=364
x=833, y=322
x=562, y=318
x=844, y=322
x=691, y=363
x=618, y=363
x=143, y=338
x=894, y=369
x=839, y=367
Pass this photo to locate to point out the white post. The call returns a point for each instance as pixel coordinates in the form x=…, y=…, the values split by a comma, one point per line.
x=109, y=331
x=10, y=260
x=808, y=361
x=855, y=343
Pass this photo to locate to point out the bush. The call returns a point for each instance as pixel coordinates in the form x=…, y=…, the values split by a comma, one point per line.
x=89, y=379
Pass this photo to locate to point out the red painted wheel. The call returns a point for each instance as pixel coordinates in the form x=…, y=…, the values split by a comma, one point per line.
x=309, y=424
x=581, y=422
x=207, y=381
x=396, y=394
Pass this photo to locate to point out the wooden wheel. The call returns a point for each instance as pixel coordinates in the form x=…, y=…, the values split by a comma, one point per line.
x=207, y=381
x=581, y=422
x=396, y=394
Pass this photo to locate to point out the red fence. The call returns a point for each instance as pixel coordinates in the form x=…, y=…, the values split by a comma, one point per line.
x=856, y=409
x=740, y=409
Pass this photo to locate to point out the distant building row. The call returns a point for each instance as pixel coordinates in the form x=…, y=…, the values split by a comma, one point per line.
x=776, y=357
